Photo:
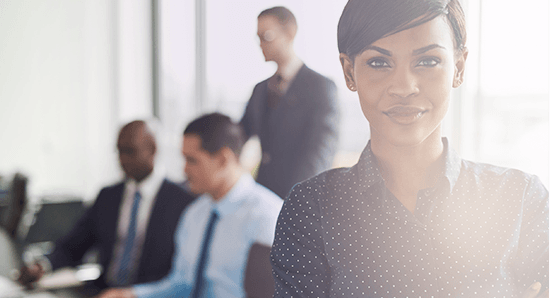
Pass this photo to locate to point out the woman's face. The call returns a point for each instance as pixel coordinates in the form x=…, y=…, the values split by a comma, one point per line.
x=404, y=82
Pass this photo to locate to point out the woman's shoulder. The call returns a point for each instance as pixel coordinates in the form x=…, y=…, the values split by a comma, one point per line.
x=486, y=171
x=330, y=177
x=324, y=185
x=503, y=178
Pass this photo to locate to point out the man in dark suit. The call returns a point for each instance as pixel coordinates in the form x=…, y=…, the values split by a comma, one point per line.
x=132, y=223
x=294, y=112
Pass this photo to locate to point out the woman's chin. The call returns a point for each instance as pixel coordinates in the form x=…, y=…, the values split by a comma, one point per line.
x=404, y=139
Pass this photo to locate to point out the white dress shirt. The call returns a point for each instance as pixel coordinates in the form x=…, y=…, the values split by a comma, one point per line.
x=287, y=74
x=148, y=188
x=247, y=215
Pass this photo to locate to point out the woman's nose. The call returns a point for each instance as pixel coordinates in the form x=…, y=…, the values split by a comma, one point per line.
x=404, y=83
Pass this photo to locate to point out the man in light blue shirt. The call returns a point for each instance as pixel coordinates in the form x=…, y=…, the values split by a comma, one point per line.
x=216, y=232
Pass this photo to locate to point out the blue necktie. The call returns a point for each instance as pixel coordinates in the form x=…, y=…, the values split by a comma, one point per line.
x=199, y=274
x=123, y=276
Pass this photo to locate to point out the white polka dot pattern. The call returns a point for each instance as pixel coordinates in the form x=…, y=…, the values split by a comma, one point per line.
x=481, y=232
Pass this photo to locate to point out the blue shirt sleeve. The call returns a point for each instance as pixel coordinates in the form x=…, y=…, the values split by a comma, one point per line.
x=163, y=288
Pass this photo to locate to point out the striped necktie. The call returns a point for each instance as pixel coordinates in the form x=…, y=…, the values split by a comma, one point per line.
x=125, y=268
x=199, y=274
x=274, y=92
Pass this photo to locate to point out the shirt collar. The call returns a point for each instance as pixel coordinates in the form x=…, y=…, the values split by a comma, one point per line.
x=453, y=164
x=149, y=186
x=234, y=198
x=451, y=170
x=367, y=165
x=290, y=72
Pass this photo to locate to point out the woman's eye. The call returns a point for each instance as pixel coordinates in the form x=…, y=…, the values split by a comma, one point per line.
x=428, y=62
x=378, y=63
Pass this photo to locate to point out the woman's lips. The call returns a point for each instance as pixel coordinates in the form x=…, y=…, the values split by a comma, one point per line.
x=404, y=114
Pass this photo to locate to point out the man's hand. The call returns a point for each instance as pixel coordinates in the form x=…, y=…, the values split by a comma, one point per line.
x=117, y=293
x=533, y=292
x=30, y=274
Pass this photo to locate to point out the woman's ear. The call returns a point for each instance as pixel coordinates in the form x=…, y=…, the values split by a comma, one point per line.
x=460, y=64
x=347, y=67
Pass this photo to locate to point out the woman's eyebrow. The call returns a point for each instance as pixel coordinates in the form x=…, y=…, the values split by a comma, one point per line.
x=415, y=52
x=427, y=48
x=378, y=49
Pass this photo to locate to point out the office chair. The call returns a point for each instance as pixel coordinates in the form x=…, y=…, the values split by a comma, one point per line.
x=258, y=281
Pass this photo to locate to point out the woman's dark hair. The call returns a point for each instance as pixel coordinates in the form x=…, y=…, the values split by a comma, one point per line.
x=217, y=131
x=366, y=21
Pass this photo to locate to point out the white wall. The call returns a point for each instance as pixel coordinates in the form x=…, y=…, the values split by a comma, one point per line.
x=71, y=72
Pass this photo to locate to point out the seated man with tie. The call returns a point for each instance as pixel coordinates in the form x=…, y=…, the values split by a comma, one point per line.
x=217, y=231
x=132, y=223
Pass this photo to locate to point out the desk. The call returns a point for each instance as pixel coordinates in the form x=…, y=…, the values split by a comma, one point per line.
x=60, y=284
x=71, y=279
x=10, y=289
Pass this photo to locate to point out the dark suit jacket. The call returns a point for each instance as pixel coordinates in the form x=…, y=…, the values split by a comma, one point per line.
x=299, y=136
x=98, y=228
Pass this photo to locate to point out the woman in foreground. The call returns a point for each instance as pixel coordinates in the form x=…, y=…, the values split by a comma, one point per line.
x=411, y=218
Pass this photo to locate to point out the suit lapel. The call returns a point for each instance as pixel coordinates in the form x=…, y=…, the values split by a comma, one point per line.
x=154, y=218
x=108, y=223
x=290, y=95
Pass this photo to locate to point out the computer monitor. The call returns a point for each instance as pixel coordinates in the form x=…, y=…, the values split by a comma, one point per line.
x=54, y=220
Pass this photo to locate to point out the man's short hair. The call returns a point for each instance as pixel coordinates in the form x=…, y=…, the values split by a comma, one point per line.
x=217, y=131
x=284, y=16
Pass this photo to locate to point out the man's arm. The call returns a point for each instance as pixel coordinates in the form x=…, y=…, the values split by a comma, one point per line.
x=68, y=251
x=70, y=248
x=320, y=139
x=147, y=291
x=250, y=120
x=167, y=287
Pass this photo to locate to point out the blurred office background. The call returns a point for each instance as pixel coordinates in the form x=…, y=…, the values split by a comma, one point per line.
x=73, y=71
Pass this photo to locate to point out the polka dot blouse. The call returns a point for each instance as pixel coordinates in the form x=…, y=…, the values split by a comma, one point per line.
x=482, y=231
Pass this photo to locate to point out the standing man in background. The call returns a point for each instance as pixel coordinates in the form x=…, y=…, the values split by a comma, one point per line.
x=294, y=112
x=131, y=223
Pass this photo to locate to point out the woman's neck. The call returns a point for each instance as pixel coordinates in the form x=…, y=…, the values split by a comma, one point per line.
x=408, y=169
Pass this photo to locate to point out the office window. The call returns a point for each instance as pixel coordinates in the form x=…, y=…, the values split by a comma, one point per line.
x=512, y=98
x=499, y=115
x=177, y=104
